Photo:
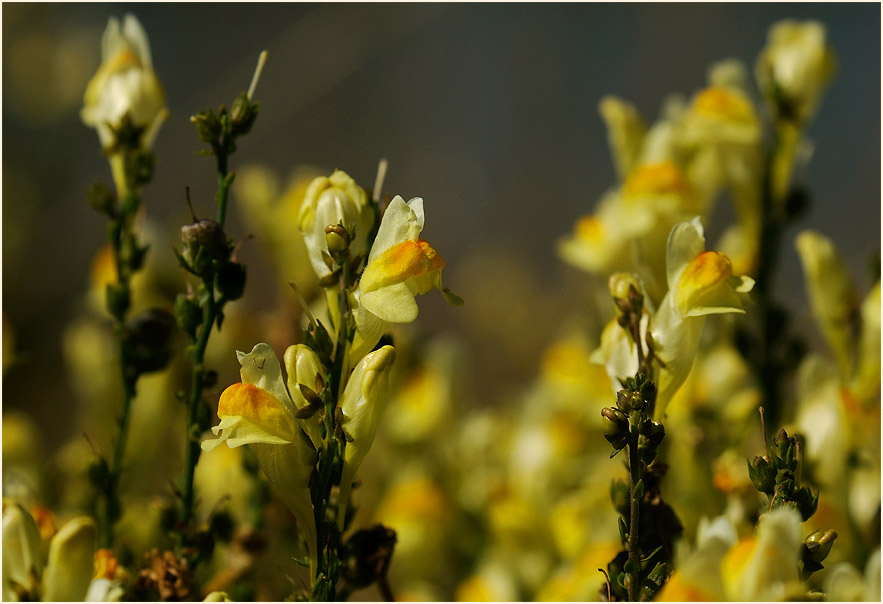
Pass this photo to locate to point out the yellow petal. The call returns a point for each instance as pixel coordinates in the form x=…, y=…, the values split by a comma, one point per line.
x=663, y=178
x=722, y=103
x=251, y=415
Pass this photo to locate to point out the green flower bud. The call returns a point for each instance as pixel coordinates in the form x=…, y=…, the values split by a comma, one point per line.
x=117, y=299
x=230, y=280
x=149, y=339
x=101, y=199
x=818, y=545
x=208, y=128
x=367, y=554
x=204, y=242
x=243, y=114
x=762, y=475
x=188, y=313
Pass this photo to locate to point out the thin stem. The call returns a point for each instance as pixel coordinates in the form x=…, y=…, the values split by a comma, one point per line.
x=193, y=449
x=634, y=516
x=223, y=184
x=119, y=234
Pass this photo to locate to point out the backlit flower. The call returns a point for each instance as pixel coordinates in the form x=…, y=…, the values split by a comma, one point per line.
x=795, y=67
x=124, y=84
x=400, y=265
x=260, y=413
x=330, y=201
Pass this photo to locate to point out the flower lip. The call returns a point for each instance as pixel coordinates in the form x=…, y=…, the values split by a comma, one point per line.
x=403, y=261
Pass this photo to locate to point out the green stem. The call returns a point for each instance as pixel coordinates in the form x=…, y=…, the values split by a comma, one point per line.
x=634, y=517
x=223, y=186
x=117, y=235
x=193, y=449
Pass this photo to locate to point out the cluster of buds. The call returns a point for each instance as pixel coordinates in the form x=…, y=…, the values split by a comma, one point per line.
x=208, y=254
x=220, y=129
x=630, y=419
x=777, y=475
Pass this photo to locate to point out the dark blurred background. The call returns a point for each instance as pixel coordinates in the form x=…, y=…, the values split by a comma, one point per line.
x=487, y=111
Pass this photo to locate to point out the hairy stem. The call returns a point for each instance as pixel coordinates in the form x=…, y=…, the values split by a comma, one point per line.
x=634, y=517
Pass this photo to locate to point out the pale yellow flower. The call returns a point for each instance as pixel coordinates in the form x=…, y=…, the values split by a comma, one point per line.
x=260, y=413
x=832, y=296
x=400, y=265
x=625, y=132
x=329, y=201
x=700, y=283
x=124, y=84
x=795, y=67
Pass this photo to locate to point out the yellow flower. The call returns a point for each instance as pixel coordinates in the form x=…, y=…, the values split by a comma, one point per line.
x=625, y=132
x=699, y=283
x=764, y=567
x=124, y=84
x=71, y=560
x=400, y=265
x=362, y=404
x=329, y=201
x=260, y=413
x=795, y=67
x=831, y=294
x=68, y=570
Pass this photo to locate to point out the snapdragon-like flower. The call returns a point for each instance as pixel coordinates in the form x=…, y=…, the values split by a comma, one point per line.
x=795, y=67
x=362, y=404
x=400, y=265
x=330, y=201
x=700, y=283
x=260, y=413
x=125, y=84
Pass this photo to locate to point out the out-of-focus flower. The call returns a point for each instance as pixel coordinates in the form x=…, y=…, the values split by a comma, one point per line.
x=419, y=511
x=217, y=596
x=400, y=265
x=764, y=567
x=330, y=201
x=260, y=413
x=580, y=580
x=697, y=577
x=71, y=558
x=866, y=383
x=124, y=84
x=700, y=283
x=68, y=571
x=268, y=210
x=22, y=565
x=625, y=132
x=491, y=582
x=831, y=294
x=795, y=67
x=844, y=583
x=362, y=404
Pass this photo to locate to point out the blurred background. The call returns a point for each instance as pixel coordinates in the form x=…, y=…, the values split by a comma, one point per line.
x=488, y=112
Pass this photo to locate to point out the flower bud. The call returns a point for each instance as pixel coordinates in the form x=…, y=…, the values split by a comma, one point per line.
x=367, y=554
x=230, y=280
x=818, y=545
x=101, y=199
x=336, y=239
x=208, y=128
x=125, y=88
x=149, y=340
x=362, y=403
x=243, y=114
x=762, y=475
x=336, y=200
x=204, y=243
x=188, y=313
